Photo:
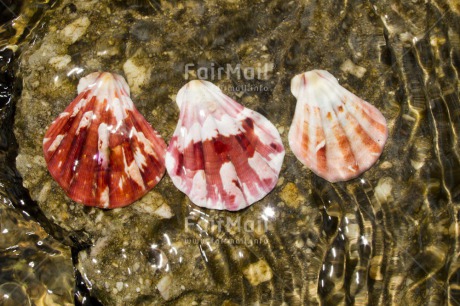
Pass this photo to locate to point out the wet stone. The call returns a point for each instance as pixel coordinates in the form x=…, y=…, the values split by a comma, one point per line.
x=291, y=196
x=34, y=266
x=258, y=272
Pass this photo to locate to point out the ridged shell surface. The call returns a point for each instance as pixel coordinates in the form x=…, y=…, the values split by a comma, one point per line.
x=222, y=155
x=334, y=133
x=101, y=150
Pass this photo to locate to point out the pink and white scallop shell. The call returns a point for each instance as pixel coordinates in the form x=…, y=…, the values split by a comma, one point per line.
x=334, y=133
x=101, y=150
x=222, y=155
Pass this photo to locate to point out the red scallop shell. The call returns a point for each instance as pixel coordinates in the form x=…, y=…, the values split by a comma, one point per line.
x=101, y=150
x=222, y=155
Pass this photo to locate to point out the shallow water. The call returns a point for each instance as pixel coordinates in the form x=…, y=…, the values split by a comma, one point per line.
x=387, y=237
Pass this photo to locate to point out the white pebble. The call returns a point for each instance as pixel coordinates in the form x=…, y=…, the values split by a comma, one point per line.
x=349, y=67
x=119, y=286
x=72, y=32
x=258, y=272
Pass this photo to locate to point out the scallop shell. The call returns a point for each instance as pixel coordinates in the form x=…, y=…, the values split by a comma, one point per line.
x=101, y=150
x=222, y=155
x=334, y=133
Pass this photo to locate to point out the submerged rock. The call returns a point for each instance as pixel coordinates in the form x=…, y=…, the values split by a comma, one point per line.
x=35, y=268
x=258, y=272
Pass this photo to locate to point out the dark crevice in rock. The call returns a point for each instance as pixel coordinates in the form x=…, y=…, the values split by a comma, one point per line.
x=83, y=295
x=11, y=181
x=10, y=178
x=9, y=9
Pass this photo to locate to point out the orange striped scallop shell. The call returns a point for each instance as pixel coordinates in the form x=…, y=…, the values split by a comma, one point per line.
x=334, y=133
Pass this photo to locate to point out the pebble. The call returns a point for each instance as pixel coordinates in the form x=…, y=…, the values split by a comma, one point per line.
x=258, y=272
x=74, y=31
x=349, y=67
